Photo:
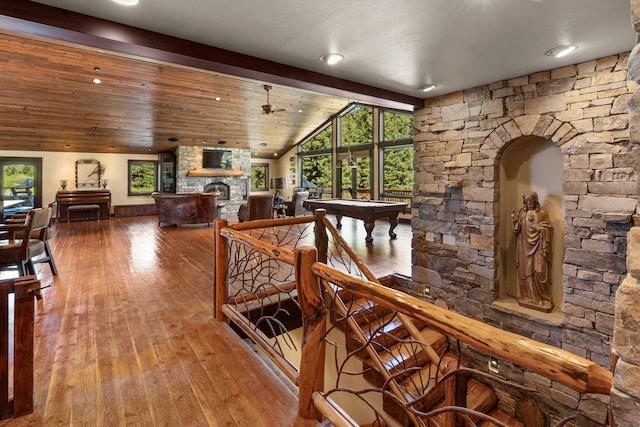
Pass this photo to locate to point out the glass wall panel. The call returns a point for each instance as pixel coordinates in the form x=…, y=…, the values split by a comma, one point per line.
x=357, y=126
x=317, y=175
x=397, y=173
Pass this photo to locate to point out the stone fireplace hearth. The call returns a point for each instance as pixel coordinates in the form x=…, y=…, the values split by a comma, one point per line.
x=190, y=158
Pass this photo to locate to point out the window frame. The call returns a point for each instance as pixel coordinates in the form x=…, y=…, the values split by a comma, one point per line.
x=130, y=164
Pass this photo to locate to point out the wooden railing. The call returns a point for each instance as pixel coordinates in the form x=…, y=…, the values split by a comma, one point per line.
x=313, y=271
x=16, y=345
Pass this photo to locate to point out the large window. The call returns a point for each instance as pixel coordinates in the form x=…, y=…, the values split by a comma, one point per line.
x=21, y=181
x=397, y=173
x=373, y=152
x=320, y=141
x=316, y=173
x=355, y=181
x=143, y=177
x=397, y=157
x=357, y=126
x=396, y=125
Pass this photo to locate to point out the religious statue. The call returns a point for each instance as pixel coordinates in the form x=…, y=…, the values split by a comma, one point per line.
x=534, y=236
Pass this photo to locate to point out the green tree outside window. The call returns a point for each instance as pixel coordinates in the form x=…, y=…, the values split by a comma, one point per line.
x=143, y=177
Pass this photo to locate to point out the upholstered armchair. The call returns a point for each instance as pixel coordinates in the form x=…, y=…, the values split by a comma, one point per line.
x=296, y=207
x=258, y=206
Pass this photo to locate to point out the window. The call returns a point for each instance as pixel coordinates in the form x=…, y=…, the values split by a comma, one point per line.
x=355, y=181
x=259, y=176
x=316, y=173
x=397, y=173
x=143, y=177
x=357, y=126
x=21, y=181
x=396, y=125
x=397, y=157
x=320, y=141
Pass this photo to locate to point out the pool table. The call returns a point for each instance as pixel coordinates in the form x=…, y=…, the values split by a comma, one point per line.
x=367, y=210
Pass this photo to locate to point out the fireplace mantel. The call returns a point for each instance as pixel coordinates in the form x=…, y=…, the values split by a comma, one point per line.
x=215, y=172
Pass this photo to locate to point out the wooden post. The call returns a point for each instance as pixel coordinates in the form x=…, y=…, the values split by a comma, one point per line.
x=456, y=395
x=314, y=329
x=6, y=287
x=322, y=241
x=220, y=261
x=23, y=345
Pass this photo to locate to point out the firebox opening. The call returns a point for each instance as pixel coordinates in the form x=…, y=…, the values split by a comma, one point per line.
x=218, y=187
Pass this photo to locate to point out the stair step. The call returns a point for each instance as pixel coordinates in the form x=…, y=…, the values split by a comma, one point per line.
x=417, y=383
x=364, y=311
x=480, y=398
x=502, y=417
x=384, y=331
x=404, y=356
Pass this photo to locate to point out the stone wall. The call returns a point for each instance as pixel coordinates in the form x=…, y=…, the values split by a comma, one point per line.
x=625, y=393
x=189, y=158
x=459, y=140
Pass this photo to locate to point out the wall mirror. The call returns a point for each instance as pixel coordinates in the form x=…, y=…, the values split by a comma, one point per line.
x=88, y=174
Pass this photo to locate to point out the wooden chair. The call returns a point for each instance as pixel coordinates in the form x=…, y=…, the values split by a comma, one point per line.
x=259, y=206
x=14, y=250
x=25, y=241
x=296, y=206
x=39, y=249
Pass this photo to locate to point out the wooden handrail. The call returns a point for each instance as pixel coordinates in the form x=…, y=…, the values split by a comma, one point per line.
x=275, y=252
x=559, y=365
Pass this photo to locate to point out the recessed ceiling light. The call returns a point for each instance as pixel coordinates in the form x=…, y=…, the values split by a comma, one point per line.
x=97, y=81
x=173, y=139
x=331, y=58
x=427, y=88
x=221, y=142
x=127, y=2
x=97, y=69
x=263, y=144
x=560, y=51
x=218, y=98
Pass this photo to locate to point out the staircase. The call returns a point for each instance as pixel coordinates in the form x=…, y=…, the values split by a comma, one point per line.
x=414, y=366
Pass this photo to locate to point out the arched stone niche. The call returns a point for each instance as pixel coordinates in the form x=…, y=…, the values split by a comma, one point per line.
x=530, y=163
x=459, y=207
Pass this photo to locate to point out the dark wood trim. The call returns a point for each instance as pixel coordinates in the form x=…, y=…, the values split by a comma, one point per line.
x=47, y=21
x=122, y=211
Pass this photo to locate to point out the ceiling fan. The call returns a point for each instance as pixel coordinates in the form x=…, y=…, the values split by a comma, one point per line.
x=270, y=108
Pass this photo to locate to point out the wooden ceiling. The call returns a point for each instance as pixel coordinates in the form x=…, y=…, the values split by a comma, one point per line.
x=156, y=91
x=49, y=102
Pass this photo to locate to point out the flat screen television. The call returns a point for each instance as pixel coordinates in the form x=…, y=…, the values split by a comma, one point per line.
x=216, y=159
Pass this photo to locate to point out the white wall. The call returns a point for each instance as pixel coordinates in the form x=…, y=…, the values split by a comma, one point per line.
x=62, y=165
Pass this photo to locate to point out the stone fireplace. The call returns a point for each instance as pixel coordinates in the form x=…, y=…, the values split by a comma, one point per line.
x=464, y=194
x=189, y=159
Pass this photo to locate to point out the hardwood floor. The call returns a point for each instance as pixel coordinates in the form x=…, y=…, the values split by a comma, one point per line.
x=125, y=334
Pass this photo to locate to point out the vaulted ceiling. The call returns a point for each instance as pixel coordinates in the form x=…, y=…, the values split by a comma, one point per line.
x=193, y=72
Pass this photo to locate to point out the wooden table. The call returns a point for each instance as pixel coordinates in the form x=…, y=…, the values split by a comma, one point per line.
x=367, y=210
